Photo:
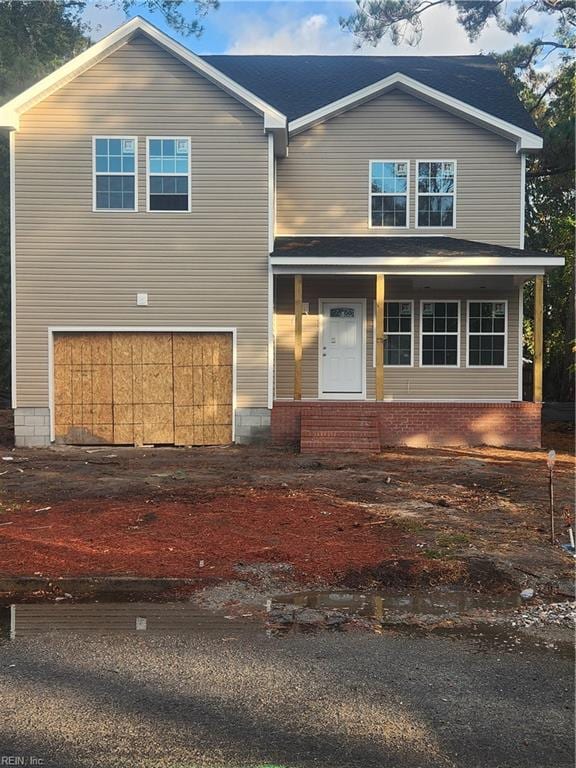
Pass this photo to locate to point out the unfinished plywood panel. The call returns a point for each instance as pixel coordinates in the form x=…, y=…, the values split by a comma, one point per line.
x=202, y=388
x=141, y=388
x=83, y=388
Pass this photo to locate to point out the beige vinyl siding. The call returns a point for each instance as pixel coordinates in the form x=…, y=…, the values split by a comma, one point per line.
x=323, y=186
x=76, y=267
x=411, y=383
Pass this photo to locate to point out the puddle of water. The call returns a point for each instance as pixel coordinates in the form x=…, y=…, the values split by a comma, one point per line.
x=377, y=604
x=28, y=619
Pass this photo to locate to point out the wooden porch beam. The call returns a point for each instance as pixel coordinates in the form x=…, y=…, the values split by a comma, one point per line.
x=297, y=337
x=379, y=332
x=538, y=337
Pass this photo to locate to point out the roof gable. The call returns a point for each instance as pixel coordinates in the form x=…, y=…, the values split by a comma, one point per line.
x=300, y=85
x=10, y=112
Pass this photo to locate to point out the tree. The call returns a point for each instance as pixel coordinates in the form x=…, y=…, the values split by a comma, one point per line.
x=35, y=39
x=401, y=20
x=548, y=93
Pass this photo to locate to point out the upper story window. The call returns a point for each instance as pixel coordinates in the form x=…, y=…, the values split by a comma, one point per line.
x=114, y=164
x=435, y=194
x=440, y=325
x=169, y=174
x=389, y=193
x=486, y=333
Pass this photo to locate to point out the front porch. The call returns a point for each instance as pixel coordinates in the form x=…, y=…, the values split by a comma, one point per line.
x=414, y=356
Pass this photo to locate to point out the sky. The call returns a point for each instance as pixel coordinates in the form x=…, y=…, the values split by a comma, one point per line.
x=302, y=27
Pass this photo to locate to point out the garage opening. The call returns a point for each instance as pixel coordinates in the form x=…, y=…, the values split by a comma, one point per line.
x=143, y=388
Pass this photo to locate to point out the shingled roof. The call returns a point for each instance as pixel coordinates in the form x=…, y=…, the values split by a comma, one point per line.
x=299, y=85
x=352, y=248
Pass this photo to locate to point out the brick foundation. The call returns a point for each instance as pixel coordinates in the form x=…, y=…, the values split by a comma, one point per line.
x=419, y=425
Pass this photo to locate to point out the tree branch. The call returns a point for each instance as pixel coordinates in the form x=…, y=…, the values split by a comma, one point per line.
x=544, y=93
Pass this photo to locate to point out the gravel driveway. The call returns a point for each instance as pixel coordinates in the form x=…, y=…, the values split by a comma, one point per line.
x=334, y=700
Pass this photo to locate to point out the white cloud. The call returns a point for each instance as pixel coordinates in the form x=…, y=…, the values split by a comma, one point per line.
x=291, y=28
x=279, y=31
x=102, y=19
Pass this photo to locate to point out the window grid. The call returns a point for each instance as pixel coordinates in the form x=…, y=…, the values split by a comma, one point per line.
x=487, y=334
x=389, y=197
x=168, y=174
x=398, y=334
x=440, y=334
x=114, y=163
x=436, y=194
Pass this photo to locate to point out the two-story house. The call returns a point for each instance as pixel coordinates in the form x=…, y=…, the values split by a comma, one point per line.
x=327, y=250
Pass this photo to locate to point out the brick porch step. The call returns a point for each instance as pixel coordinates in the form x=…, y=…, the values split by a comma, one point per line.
x=324, y=430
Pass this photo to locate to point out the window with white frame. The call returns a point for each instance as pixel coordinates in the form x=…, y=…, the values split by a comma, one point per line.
x=169, y=174
x=397, y=333
x=440, y=322
x=436, y=186
x=388, y=193
x=114, y=173
x=487, y=333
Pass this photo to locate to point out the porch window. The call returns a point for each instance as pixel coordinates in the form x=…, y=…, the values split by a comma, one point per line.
x=439, y=338
x=435, y=196
x=389, y=193
x=169, y=174
x=398, y=331
x=114, y=163
x=487, y=333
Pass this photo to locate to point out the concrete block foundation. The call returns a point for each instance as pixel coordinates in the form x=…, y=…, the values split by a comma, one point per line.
x=32, y=427
x=252, y=425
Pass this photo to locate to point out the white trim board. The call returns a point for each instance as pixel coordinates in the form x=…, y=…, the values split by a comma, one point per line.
x=520, y=341
x=296, y=269
x=10, y=112
x=344, y=395
x=420, y=261
x=525, y=140
x=522, y=200
x=12, y=145
x=52, y=329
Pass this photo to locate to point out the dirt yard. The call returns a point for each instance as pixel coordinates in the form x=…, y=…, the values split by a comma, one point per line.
x=477, y=517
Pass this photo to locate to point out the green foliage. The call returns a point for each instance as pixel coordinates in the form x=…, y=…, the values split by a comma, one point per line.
x=35, y=38
x=174, y=12
x=401, y=20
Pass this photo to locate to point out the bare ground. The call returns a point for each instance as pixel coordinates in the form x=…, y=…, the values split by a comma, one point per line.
x=405, y=516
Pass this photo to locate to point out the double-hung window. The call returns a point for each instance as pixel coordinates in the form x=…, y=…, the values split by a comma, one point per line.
x=398, y=320
x=440, y=324
x=487, y=333
x=114, y=163
x=389, y=193
x=436, y=185
x=169, y=174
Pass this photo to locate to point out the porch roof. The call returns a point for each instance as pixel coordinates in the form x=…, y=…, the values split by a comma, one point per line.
x=405, y=255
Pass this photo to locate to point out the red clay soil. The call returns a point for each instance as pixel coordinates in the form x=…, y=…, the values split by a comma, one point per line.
x=321, y=538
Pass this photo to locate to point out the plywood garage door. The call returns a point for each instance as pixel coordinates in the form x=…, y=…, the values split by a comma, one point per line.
x=142, y=388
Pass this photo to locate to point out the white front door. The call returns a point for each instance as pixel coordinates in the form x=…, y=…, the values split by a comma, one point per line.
x=342, y=349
